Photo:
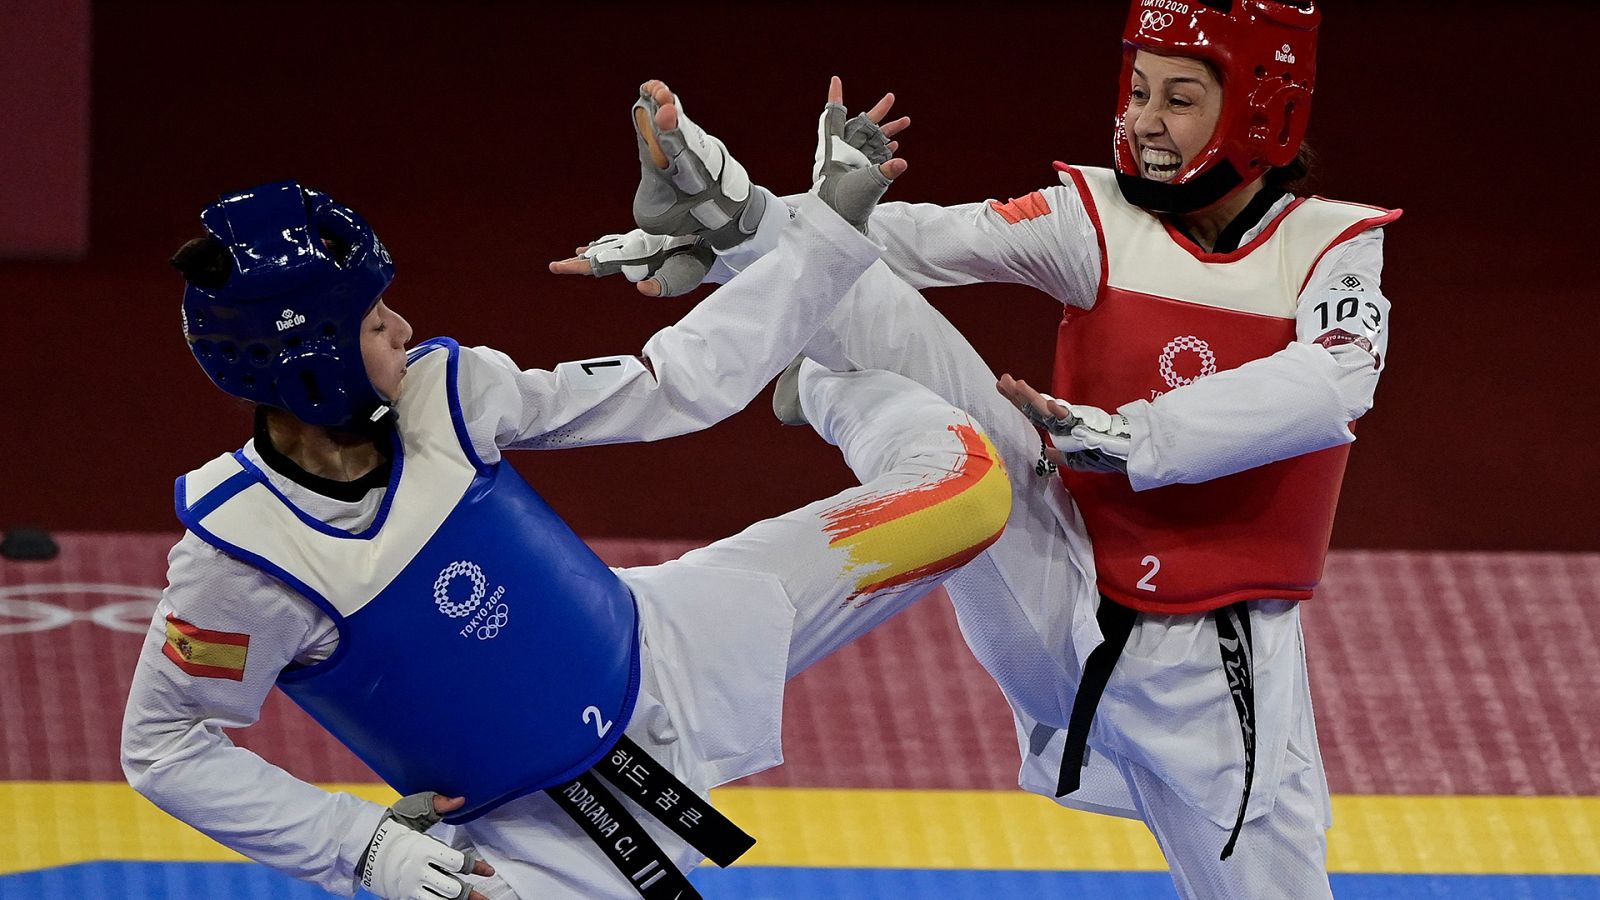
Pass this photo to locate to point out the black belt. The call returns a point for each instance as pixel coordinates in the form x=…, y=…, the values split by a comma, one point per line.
x=625, y=842
x=1116, y=623
x=1238, y=663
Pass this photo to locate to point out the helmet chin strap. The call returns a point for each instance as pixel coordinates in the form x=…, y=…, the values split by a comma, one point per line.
x=1208, y=189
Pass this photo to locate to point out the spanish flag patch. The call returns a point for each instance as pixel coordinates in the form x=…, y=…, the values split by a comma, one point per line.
x=206, y=654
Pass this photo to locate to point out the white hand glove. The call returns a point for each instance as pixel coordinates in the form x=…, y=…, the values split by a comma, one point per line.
x=405, y=864
x=678, y=264
x=844, y=173
x=1086, y=428
x=1094, y=461
x=859, y=144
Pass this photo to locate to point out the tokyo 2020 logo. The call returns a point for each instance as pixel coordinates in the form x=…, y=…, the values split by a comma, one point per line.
x=1155, y=21
x=455, y=609
x=1192, y=344
x=487, y=620
x=494, y=622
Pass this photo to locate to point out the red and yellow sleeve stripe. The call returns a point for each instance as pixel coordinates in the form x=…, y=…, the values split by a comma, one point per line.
x=904, y=536
x=1020, y=209
x=206, y=654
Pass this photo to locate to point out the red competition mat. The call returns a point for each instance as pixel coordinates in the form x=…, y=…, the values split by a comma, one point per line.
x=1459, y=673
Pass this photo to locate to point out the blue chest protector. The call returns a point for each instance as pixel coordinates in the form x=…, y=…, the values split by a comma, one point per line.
x=484, y=650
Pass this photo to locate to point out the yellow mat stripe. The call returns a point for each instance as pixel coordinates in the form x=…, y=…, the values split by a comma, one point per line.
x=49, y=824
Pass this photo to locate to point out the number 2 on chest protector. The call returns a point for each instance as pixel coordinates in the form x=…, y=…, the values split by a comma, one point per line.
x=592, y=714
x=1145, y=584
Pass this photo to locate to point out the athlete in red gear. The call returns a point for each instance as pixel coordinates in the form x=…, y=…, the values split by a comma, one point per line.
x=1234, y=333
x=1221, y=335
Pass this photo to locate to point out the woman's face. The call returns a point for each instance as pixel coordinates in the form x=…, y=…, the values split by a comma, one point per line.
x=1172, y=112
x=384, y=335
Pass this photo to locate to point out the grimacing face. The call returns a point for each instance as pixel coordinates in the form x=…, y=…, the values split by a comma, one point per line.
x=1172, y=112
x=384, y=335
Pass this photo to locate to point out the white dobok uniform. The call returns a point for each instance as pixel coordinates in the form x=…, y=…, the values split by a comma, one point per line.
x=721, y=628
x=1166, y=745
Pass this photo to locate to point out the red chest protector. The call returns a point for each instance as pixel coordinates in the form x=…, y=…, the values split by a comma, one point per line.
x=1167, y=314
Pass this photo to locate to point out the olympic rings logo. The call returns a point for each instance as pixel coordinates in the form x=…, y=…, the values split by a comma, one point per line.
x=21, y=614
x=496, y=621
x=1208, y=360
x=1154, y=21
x=441, y=589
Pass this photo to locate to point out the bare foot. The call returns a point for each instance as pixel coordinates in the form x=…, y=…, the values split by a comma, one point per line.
x=666, y=118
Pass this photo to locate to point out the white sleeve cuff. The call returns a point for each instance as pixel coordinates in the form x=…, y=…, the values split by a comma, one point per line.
x=739, y=257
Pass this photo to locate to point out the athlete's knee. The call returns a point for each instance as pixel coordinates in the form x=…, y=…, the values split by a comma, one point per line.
x=969, y=501
x=929, y=514
x=984, y=505
x=956, y=495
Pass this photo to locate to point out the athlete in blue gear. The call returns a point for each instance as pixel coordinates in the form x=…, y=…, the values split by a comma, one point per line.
x=370, y=552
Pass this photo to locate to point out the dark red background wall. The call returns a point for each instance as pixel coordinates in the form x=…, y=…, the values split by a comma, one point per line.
x=485, y=139
x=44, y=128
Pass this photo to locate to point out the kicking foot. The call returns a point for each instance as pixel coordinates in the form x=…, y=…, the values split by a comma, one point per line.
x=688, y=182
x=786, y=395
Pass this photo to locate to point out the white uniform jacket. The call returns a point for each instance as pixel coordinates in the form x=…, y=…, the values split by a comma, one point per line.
x=712, y=724
x=1298, y=400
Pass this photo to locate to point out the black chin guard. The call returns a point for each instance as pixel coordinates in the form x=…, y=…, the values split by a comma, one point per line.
x=1209, y=188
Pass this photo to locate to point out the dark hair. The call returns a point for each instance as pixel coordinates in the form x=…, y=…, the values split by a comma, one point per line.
x=204, y=262
x=1294, y=176
x=338, y=248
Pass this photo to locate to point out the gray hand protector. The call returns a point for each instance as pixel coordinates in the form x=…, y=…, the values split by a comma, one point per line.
x=844, y=176
x=678, y=264
x=864, y=134
x=1095, y=461
x=684, y=269
x=861, y=144
x=1052, y=424
x=416, y=812
x=689, y=184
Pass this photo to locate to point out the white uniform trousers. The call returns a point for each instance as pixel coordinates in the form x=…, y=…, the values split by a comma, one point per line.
x=1166, y=746
x=725, y=625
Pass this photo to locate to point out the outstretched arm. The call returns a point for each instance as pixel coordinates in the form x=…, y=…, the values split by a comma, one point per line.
x=1044, y=240
x=1299, y=400
x=717, y=358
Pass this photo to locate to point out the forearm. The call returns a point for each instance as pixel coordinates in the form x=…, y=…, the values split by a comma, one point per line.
x=1299, y=400
x=939, y=246
x=251, y=806
x=1045, y=241
x=175, y=750
x=714, y=361
x=927, y=245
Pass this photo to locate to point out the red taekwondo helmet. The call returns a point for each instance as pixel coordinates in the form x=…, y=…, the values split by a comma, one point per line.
x=1265, y=52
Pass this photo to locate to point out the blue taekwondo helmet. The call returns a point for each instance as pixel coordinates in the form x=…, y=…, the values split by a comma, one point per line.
x=284, y=329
